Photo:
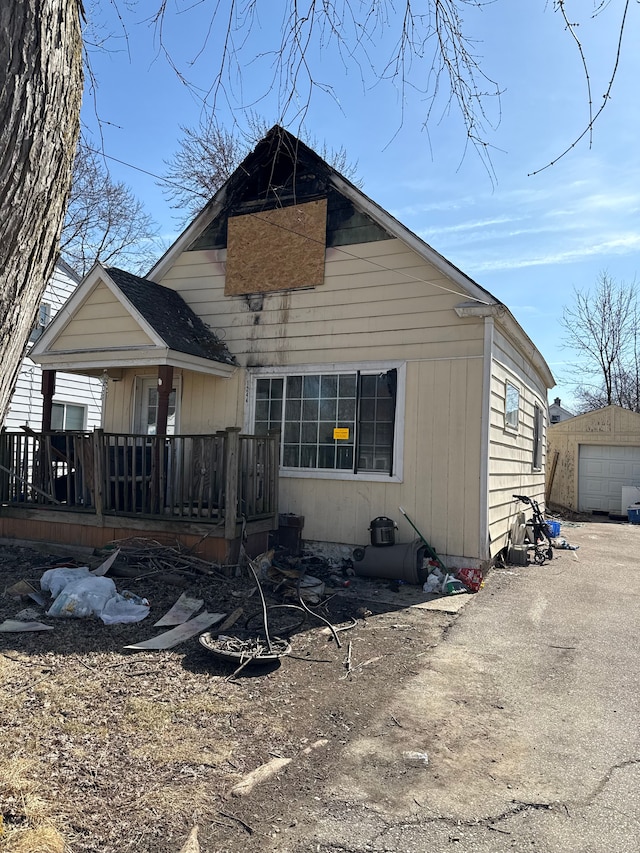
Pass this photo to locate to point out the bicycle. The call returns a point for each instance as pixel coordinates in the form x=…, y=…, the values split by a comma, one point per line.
x=541, y=544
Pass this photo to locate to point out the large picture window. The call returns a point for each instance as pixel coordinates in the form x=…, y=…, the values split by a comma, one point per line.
x=343, y=421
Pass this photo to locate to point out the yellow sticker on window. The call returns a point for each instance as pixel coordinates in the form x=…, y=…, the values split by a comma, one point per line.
x=341, y=433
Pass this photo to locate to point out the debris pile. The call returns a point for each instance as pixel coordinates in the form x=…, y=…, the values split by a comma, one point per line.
x=139, y=557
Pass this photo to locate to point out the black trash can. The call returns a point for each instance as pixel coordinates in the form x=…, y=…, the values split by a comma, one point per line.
x=290, y=532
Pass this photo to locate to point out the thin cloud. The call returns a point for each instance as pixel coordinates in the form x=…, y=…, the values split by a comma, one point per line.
x=621, y=245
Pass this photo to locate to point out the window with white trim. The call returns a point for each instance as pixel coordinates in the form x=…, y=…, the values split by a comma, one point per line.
x=68, y=416
x=42, y=321
x=343, y=421
x=537, y=437
x=511, y=406
x=146, y=414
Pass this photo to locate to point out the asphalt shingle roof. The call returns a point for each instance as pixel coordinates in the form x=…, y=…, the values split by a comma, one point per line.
x=170, y=316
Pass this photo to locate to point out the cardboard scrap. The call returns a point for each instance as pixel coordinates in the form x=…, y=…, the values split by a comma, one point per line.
x=103, y=568
x=231, y=620
x=183, y=632
x=13, y=626
x=183, y=609
x=27, y=588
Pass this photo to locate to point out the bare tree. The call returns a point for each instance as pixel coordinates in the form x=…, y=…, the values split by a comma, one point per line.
x=424, y=48
x=40, y=93
x=603, y=327
x=419, y=45
x=208, y=154
x=104, y=220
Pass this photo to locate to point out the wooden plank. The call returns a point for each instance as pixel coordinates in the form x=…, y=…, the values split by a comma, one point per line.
x=183, y=632
x=183, y=609
x=13, y=626
x=232, y=446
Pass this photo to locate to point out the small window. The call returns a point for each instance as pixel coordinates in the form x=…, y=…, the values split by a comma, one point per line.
x=146, y=407
x=42, y=321
x=66, y=416
x=152, y=412
x=537, y=438
x=511, y=406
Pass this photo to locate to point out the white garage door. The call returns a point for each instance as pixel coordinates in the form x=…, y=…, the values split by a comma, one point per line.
x=602, y=472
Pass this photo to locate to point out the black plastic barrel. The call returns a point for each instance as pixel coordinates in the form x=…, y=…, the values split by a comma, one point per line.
x=383, y=531
x=403, y=562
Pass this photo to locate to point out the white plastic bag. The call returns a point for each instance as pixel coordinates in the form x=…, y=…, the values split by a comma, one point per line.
x=124, y=608
x=84, y=597
x=55, y=580
x=433, y=583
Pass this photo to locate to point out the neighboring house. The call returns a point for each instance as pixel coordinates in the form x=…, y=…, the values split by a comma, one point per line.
x=77, y=402
x=557, y=413
x=597, y=462
x=302, y=306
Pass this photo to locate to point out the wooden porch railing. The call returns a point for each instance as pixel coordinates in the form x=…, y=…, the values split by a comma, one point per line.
x=217, y=478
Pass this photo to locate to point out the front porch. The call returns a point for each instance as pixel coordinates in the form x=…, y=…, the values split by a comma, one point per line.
x=92, y=488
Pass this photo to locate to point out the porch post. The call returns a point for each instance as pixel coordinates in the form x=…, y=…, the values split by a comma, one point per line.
x=232, y=471
x=165, y=383
x=48, y=388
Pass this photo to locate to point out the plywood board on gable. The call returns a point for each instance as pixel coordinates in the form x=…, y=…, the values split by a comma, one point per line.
x=276, y=249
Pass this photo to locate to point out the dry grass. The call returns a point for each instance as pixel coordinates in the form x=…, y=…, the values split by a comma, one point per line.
x=111, y=752
x=184, y=732
x=43, y=839
x=30, y=822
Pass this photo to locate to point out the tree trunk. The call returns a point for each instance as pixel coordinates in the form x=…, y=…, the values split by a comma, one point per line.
x=40, y=96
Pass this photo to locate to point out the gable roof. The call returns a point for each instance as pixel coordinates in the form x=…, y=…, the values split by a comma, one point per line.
x=262, y=174
x=170, y=316
x=599, y=420
x=281, y=170
x=168, y=331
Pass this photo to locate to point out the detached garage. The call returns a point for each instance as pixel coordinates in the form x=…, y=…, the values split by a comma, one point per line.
x=592, y=458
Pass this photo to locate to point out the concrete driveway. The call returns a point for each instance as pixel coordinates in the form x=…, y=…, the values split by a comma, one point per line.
x=528, y=710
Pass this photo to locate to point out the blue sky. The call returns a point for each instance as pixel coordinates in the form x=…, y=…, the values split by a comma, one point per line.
x=529, y=239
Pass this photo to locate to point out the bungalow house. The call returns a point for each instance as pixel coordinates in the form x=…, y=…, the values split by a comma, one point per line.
x=363, y=371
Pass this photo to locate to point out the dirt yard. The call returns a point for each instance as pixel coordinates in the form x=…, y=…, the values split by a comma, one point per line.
x=107, y=749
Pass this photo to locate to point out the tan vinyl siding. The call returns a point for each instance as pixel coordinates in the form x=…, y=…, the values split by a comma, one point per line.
x=511, y=468
x=101, y=322
x=206, y=404
x=364, y=310
x=211, y=403
x=380, y=301
x=118, y=411
x=441, y=489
